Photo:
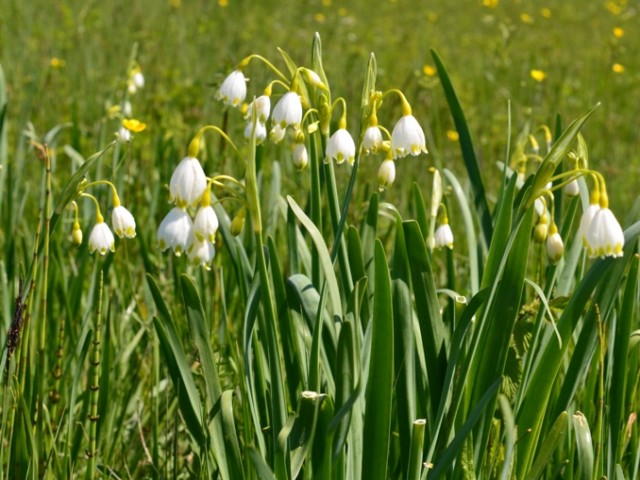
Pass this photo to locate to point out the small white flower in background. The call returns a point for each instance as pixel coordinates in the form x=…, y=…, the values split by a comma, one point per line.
x=175, y=231
x=127, y=111
x=205, y=225
x=188, y=183
x=277, y=133
x=261, y=132
x=386, y=174
x=138, y=79
x=123, y=135
x=341, y=147
x=300, y=156
x=123, y=222
x=604, y=235
x=288, y=111
x=443, y=236
x=555, y=245
x=201, y=253
x=585, y=221
x=407, y=138
x=262, y=104
x=572, y=188
x=372, y=140
x=101, y=239
x=234, y=89
x=539, y=207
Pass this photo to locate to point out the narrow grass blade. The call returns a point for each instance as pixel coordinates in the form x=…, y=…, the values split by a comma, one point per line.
x=230, y=437
x=548, y=446
x=584, y=445
x=377, y=420
x=468, y=152
x=416, y=452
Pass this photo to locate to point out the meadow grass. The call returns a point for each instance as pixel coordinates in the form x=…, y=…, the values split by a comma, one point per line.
x=330, y=339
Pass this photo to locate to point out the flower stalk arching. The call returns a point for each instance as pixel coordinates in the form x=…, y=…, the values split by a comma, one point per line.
x=244, y=63
x=194, y=145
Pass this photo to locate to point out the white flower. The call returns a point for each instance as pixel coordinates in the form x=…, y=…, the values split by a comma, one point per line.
x=261, y=132
x=386, y=174
x=585, y=221
x=314, y=79
x=277, y=133
x=443, y=236
x=101, y=239
x=138, y=80
x=341, y=147
x=539, y=207
x=205, y=225
x=175, y=231
x=123, y=222
x=407, y=138
x=288, y=110
x=123, y=135
x=300, y=156
x=262, y=104
x=604, y=236
x=188, y=182
x=126, y=109
x=372, y=140
x=234, y=89
x=555, y=245
x=201, y=253
x=572, y=188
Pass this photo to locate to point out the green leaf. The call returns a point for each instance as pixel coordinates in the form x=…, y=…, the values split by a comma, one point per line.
x=468, y=152
x=377, y=420
x=548, y=446
x=584, y=445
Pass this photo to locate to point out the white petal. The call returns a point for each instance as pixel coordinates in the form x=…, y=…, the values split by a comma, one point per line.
x=175, y=231
x=188, y=182
x=101, y=239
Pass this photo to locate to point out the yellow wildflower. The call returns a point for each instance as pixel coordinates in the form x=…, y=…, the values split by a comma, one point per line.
x=429, y=71
x=526, y=18
x=55, y=62
x=223, y=3
x=490, y=3
x=134, y=125
x=319, y=17
x=545, y=12
x=538, y=75
x=617, y=68
x=618, y=32
x=452, y=135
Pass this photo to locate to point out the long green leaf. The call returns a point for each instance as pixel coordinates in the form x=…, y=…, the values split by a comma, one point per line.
x=377, y=420
x=550, y=443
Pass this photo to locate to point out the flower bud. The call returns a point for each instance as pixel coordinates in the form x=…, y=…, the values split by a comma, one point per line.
x=237, y=223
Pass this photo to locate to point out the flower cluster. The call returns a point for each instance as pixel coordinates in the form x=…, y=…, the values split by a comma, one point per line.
x=101, y=239
x=189, y=189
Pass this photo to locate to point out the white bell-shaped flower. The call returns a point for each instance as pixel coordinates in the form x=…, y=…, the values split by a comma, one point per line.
x=341, y=147
x=386, y=174
x=138, y=79
x=407, y=138
x=585, y=221
x=188, y=183
x=572, y=188
x=443, y=236
x=261, y=132
x=288, y=111
x=300, y=156
x=262, y=104
x=555, y=245
x=175, y=231
x=201, y=253
x=205, y=225
x=277, y=133
x=372, y=140
x=123, y=135
x=123, y=222
x=604, y=236
x=101, y=239
x=233, y=89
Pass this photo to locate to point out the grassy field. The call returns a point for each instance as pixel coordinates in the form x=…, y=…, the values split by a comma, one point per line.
x=331, y=337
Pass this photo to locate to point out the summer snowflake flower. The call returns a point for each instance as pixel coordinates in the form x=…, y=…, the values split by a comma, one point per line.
x=205, y=225
x=372, y=140
x=262, y=104
x=123, y=222
x=261, y=131
x=407, y=138
x=138, y=79
x=101, y=239
x=201, y=253
x=572, y=188
x=341, y=147
x=443, y=237
x=188, y=182
x=288, y=110
x=277, y=133
x=585, y=221
x=300, y=156
x=234, y=89
x=604, y=236
x=123, y=135
x=386, y=174
x=555, y=245
x=175, y=231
